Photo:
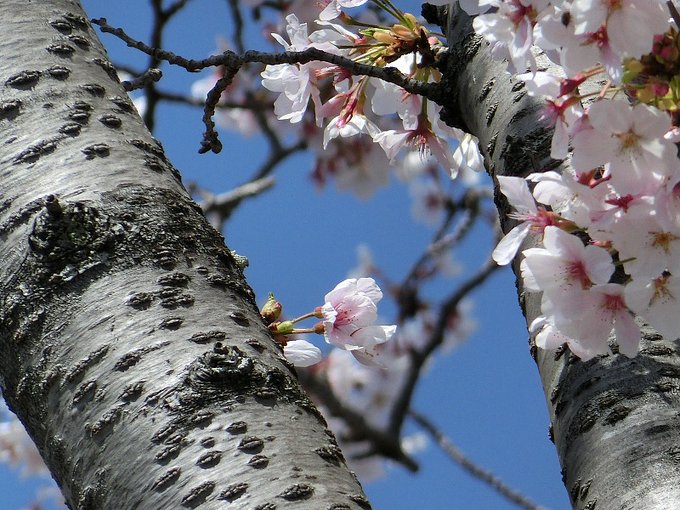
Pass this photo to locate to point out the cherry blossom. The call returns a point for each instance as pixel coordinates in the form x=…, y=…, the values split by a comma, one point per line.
x=422, y=137
x=599, y=310
x=389, y=98
x=631, y=139
x=556, y=31
x=357, y=165
x=631, y=24
x=349, y=313
x=658, y=301
x=570, y=195
x=510, y=28
x=620, y=197
x=645, y=245
x=565, y=264
x=467, y=158
x=339, y=126
x=17, y=449
x=371, y=390
x=332, y=10
x=295, y=83
x=547, y=336
x=559, y=113
x=428, y=201
x=533, y=218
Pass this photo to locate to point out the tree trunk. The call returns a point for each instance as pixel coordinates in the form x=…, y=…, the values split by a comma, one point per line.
x=131, y=346
x=614, y=420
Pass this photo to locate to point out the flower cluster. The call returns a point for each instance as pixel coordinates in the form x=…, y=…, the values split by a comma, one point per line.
x=610, y=225
x=359, y=129
x=347, y=106
x=579, y=33
x=348, y=318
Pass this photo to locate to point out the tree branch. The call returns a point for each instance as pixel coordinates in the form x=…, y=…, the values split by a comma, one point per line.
x=468, y=465
x=140, y=82
x=233, y=61
x=382, y=443
x=419, y=358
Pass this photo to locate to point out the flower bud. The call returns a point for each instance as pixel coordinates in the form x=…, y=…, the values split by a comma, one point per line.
x=271, y=310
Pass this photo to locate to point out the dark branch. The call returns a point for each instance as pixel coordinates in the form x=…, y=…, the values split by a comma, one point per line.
x=381, y=443
x=152, y=75
x=233, y=61
x=478, y=472
x=420, y=357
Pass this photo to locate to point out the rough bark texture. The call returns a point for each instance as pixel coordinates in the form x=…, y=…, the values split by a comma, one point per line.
x=615, y=421
x=130, y=345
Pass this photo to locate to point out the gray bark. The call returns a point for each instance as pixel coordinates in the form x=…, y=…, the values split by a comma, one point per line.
x=130, y=345
x=615, y=421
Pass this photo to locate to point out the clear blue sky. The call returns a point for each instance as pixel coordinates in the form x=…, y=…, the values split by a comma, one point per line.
x=485, y=395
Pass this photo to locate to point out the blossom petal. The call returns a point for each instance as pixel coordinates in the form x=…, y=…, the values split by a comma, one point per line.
x=301, y=353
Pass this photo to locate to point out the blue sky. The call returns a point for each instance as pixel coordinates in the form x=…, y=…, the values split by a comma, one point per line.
x=485, y=395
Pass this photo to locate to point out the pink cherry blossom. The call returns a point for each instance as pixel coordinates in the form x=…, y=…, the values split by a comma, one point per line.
x=429, y=200
x=559, y=112
x=547, y=336
x=349, y=315
x=599, y=310
x=571, y=196
x=356, y=164
x=631, y=24
x=423, y=137
x=658, y=301
x=564, y=264
x=646, y=246
x=16, y=447
x=631, y=139
x=333, y=9
x=389, y=98
x=534, y=219
x=295, y=83
x=510, y=28
x=556, y=32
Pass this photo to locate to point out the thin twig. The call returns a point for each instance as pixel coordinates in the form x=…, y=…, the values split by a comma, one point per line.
x=152, y=75
x=218, y=208
x=237, y=18
x=211, y=141
x=468, y=465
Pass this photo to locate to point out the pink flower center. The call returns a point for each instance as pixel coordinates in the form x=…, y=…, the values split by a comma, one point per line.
x=621, y=202
x=663, y=240
x=613, y=303
x=518, y=12
x=628, y=140
x=599, y=38
x=577, y=271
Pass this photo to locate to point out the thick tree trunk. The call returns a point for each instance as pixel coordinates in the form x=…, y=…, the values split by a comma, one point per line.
x=130, y=345
x=614, y=420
